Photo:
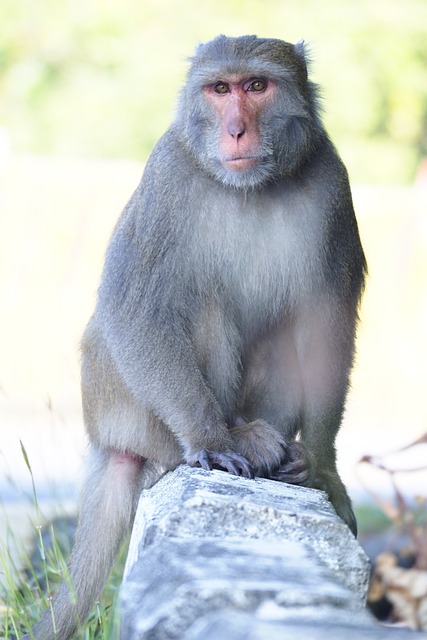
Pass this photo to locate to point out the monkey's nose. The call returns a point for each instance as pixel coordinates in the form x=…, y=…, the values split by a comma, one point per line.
x=236, y=129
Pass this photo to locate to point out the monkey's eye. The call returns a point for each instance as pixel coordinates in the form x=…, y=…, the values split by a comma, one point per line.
x=221, y=88
x=257, y=86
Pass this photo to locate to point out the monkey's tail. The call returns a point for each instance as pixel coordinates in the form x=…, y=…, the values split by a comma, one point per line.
x=108, y=503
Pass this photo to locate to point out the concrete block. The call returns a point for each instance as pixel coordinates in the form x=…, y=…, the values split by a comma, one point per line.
x=214, y=556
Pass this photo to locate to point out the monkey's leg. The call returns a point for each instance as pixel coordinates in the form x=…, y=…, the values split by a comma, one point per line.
x=271, y=402
x=325, y=344
x=108, y=503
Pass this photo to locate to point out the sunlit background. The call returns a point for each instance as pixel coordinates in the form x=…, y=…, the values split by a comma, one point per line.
x=86, y=88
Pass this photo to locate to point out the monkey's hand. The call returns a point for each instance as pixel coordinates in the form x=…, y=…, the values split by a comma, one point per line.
x=295, y=468
x=269, y=454
x=232, y=462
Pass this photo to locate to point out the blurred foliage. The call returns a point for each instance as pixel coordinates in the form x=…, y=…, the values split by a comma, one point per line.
x=398, y=589
x=370, y=519
x=99, y=77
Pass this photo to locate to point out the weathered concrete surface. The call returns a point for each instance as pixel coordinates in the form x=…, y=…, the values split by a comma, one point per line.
x=334, y=625
x=195, y=503
x=214, y=556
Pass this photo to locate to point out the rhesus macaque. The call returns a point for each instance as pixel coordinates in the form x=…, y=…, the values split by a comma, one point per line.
x=225, y=323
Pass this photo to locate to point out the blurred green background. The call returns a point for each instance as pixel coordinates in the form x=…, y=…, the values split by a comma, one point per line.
x=99, y=77
x=87, y=87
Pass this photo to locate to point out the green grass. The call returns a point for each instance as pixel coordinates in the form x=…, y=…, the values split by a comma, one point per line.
x=29, y=589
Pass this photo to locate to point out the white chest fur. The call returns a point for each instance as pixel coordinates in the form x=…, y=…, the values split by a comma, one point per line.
x=265, y=249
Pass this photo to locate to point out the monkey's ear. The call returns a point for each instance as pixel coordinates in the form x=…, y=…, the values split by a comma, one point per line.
x=301, y=52
x=299, y=49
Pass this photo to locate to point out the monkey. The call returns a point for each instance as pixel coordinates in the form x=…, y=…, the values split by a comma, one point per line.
x=224, y=330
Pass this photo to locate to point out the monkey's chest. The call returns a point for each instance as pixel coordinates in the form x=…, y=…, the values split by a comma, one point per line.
x=265, y=266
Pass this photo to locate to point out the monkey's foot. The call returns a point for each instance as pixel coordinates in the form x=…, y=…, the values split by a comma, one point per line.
x=232, y=462
x=331, y=483
x=295, y=467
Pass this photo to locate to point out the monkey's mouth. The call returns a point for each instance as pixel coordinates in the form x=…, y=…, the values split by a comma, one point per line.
x=241, y=163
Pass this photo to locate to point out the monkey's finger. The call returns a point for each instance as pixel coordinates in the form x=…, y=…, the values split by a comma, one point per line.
x=292, y=474
x=231, y=467
x=201, y=458
x=290, y=477
x=293, y=450
x=232, y=462
x=245, y=468
x=235, y=464
x=293, y=465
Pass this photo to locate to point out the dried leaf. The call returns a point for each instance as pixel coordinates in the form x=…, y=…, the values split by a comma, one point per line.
x=406, y=589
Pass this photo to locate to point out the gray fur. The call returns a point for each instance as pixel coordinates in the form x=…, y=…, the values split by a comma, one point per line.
x=226, y=315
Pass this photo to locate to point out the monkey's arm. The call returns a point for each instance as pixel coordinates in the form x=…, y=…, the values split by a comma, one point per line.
x=155, y=361
x=144, y=311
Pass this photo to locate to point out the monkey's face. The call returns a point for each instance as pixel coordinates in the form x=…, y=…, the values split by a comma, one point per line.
x=246, y=120
x=239, y=152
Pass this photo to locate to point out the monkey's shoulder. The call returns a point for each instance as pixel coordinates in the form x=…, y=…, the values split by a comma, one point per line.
x=165, y=187
x=170, y=162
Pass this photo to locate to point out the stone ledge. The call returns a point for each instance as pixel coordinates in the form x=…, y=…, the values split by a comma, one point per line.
x=219, y=556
